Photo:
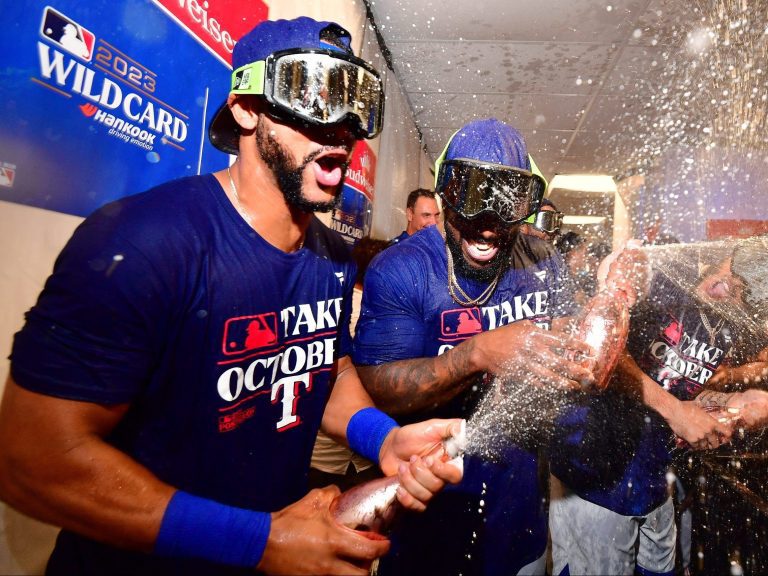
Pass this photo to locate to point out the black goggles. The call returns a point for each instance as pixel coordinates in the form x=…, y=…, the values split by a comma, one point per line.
x=471, y=187
x=548, y=221
x=319, y=87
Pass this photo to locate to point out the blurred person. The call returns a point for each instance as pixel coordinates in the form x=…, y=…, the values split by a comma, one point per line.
x=167, y=387
x=441, y=316
x=610, y=511
x=334, y=463
x=421, y=211
x=545, y=224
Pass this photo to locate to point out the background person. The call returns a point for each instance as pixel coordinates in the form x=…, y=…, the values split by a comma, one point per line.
x=167, y=387
x=334, y=463
x=610, y=510
x=440, y=317
x=421, y=210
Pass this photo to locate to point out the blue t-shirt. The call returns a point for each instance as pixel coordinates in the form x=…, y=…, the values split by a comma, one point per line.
x=407, y=312
x=222, y=344
x=613, y=451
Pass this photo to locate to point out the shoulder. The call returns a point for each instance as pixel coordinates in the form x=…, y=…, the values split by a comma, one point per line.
x=168, y=205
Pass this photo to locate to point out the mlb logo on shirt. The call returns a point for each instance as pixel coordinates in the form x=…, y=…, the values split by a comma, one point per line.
x=673, y=332
x=68, y=34
x=248, y=333
x=461, y=322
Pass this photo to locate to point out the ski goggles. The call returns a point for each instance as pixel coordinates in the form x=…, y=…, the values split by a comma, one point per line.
x=319, y=87
x=471, y=187
x=548, y=221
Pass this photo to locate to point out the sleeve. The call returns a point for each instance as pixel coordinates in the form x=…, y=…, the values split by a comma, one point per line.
x=98, y=326
x=391, y=325
x=345, y=338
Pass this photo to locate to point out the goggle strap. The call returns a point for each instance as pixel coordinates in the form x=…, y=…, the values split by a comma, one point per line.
x=249, y=79
x=441, y=158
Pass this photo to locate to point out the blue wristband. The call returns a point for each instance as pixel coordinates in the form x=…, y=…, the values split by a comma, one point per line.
x=194, y=527
x=367, y=430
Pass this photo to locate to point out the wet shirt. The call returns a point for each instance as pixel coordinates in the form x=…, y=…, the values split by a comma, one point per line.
x=222, y=344
x=677, y=342
x=407, y=312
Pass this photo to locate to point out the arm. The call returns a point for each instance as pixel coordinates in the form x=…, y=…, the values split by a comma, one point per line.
x=520, y=349
x=686, y=419
x=420, y=479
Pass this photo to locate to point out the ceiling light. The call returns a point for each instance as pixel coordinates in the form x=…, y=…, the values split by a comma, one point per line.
x=579, y=220
x=599, y=183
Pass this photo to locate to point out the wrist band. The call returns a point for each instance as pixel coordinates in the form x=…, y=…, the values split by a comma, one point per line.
x=367, y=430
x=194, y=527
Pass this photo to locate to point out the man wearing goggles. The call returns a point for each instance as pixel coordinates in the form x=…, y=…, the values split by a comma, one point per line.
x=545, y=224
x=163, y=428
x=440, y=317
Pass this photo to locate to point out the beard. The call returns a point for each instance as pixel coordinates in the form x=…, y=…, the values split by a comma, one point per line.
x=500, y=263
x=289, y=176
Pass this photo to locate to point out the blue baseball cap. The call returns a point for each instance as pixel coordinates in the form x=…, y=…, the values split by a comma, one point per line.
x=267, y=38
x=489, y=140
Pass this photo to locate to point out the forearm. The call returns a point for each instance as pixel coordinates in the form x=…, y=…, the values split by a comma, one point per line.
x=635, y=383
x=348, y=396
x=408, y=386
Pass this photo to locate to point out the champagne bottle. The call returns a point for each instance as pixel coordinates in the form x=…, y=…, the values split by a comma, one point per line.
x=604, y=325
x=372, y=507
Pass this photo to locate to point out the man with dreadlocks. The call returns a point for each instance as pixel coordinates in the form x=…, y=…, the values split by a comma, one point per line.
x=440, y=316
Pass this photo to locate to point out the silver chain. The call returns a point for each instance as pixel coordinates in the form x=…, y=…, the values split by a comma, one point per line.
x=713, y=332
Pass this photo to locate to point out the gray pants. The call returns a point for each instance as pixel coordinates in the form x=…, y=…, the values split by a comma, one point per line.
x=590, y=539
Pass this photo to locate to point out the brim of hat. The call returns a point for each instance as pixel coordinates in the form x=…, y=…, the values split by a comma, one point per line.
x=224, y=132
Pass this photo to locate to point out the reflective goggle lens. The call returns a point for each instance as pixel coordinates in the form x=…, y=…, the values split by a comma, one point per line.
x=472, y=187
x=318, y=87
x=548, y=221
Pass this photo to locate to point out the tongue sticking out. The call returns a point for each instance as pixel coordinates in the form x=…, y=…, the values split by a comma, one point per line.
x=480, y=251
x=327, y=174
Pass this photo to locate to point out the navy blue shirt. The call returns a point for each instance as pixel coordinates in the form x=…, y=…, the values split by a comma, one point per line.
x=222, y=344
x=407, y=312
x=611, y=450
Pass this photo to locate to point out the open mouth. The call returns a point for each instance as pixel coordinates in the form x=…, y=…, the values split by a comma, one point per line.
x=480, y=250
x=330, y=167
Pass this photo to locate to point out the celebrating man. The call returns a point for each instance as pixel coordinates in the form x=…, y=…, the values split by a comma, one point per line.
x=167, y=388
x=440, y=317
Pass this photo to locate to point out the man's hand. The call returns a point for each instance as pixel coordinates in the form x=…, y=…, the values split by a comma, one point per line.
x=700, y=429
x=406, y=452
x=752, y=407
x=626, y=269
x=305, y=539
x=525, y=353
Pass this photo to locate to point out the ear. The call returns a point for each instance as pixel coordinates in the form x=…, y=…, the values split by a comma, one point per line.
x=409, y=214
x=245, y=111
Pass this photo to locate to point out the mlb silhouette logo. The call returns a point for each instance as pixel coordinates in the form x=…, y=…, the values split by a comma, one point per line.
x=461, y=322
x=673, y=332
x=68, y=34
x=7, y=176
x=248, y=333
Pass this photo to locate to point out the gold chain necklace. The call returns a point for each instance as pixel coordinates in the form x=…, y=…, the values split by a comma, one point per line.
x=453, y=286
x=713, y=332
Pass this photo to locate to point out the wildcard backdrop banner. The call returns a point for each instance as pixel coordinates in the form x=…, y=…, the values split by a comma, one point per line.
x=103, y=99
